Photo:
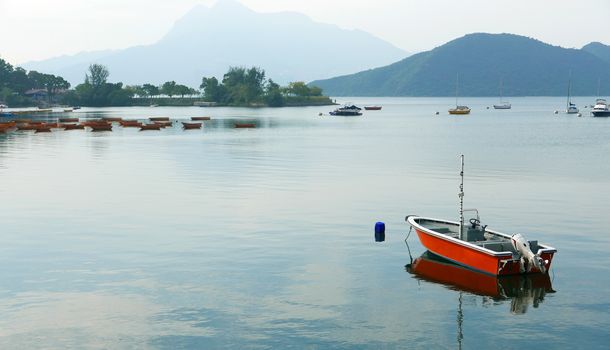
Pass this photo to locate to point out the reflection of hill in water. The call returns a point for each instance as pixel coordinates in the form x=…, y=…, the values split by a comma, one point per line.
x=522, y=290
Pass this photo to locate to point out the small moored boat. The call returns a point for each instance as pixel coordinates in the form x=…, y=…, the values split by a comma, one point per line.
x=245, y=125
x=159, y=119
x=458, y=109
x=145, y=127
x=347, y=111
x=101, y=127
x=372, y=108
x=479, y=248
x=68, y=120
x=601, y=108
x=112, y=119
x=191, y=125
x=73, y=127
x=130, y=123
x=201, y=118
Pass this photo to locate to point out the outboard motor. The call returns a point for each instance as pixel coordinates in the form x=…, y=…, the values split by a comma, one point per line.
x=528, y=258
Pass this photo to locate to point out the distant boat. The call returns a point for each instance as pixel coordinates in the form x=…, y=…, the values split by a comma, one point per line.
x=372, y=108
x=244, y=125
x=154, y=105
x=570, y=107
x=150, y=127
x=3, y=106
x=502, y=104
x=458, y=109
x=347, y=111
x=186, y=125
x=601, y=108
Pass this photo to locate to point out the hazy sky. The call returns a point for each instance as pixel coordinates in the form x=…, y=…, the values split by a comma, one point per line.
x=38, y=29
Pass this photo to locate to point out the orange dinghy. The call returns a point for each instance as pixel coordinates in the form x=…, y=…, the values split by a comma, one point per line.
x=159, y=119
x=73, y=127
x=130, y=123
x=68, y=120
x=245, y=125
x=101, y=127
x=191, y=125
x=479, y=248
x=163, y=124
x=150, y=127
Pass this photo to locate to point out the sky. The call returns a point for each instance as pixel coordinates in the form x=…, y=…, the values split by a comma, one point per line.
x=39, y=29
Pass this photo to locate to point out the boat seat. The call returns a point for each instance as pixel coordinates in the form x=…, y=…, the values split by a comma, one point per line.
x=440, y=229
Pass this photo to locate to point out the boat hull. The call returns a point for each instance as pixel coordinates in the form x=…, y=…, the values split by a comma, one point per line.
x=459, y=111
x=502, y=106
x=601, y=113
x=470, y=255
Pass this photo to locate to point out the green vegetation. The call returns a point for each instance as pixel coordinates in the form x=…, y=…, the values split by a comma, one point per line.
x=21, y=88
x=527, y=67
x=249, y=87
x=239, y=87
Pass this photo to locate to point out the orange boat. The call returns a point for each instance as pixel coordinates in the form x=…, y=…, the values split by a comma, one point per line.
x=42, y=128
x=191, y=125
x=101, y=127
x=159, y=119
x=68, y=120
x=91, y=123
x=73, y=127
x=112, y=119
x=200, y=118
x=245, y=125
x=130, y=123
x=150, y=127
x=26, y=127
x=520, y=289
x=480, y=248
x=163, y=124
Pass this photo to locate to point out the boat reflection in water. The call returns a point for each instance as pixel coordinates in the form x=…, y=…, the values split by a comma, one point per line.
x=522, y=290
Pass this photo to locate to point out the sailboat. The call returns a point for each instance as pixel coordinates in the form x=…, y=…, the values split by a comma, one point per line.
x=570, y=107
x=458, y=109
x=502, y=104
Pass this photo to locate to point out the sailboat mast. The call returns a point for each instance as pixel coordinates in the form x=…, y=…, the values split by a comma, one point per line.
x=501, y=88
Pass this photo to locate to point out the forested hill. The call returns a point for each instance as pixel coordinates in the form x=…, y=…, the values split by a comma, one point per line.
x=528, y=67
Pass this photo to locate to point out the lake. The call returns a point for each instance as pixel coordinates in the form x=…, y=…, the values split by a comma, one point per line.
x=263, y=238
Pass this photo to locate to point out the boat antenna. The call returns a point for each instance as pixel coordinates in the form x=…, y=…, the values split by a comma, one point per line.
x=461, y=195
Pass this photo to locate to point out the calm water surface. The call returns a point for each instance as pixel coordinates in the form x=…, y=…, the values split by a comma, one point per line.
x=263, y=238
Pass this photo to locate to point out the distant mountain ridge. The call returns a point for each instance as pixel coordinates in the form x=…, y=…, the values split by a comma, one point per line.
x=528, y=67
x=598, y=49
x=206, y=41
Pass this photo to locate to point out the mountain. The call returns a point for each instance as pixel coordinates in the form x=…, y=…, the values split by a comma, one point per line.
x=598, y=49
x=206, y=41
x=528, y=67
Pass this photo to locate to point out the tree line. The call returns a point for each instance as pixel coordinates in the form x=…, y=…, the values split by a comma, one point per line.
x=240, y=86
x=16, y=81
x=248, y=86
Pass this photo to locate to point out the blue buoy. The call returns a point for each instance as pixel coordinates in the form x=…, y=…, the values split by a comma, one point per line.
x=379, y=232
